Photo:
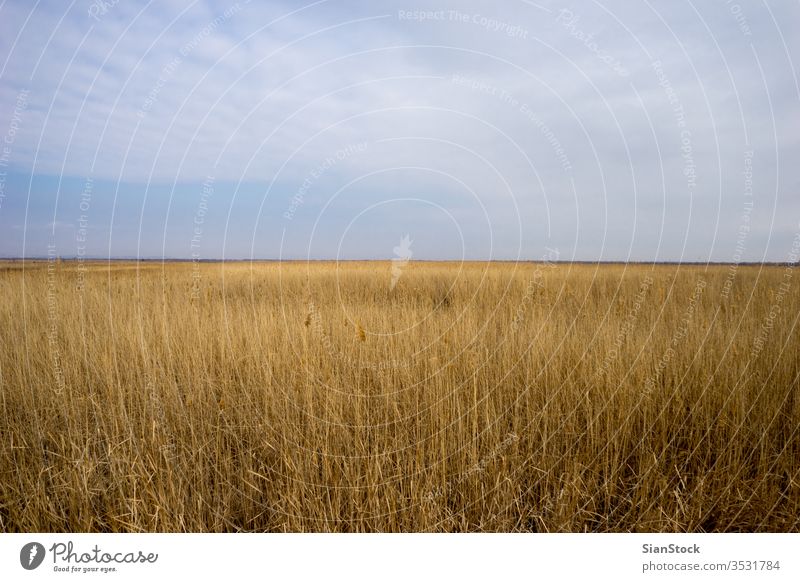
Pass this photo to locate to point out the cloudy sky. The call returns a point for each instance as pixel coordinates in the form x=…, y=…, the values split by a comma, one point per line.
x=665, y=130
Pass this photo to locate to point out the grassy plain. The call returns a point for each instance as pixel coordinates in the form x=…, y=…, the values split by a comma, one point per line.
x=469, y=397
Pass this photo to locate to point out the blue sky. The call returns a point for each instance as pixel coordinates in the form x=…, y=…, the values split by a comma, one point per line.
x=607, y=131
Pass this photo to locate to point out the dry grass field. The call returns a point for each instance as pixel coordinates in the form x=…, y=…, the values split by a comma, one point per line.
x=469, y=397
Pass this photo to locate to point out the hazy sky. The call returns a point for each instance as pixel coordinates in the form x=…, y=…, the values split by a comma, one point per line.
x=648, y=130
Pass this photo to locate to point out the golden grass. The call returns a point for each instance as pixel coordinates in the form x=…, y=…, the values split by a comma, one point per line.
x=471, y=397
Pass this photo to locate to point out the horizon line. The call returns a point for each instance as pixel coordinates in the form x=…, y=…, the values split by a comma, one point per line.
x=76, y=259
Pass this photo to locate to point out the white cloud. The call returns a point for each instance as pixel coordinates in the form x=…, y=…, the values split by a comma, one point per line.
x=167, y=92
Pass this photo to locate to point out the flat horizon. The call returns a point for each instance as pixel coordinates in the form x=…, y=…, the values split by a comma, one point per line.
x=356, y=260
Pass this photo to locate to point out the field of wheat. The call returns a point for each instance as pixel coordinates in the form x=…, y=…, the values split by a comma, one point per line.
x=368, y=396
